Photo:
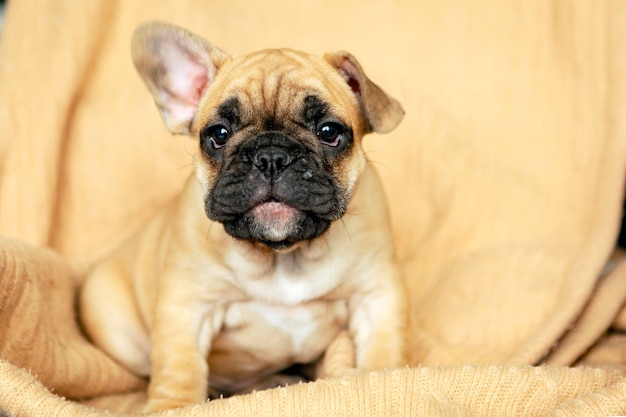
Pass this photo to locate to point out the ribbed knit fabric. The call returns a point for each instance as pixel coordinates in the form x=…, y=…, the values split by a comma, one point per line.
x=38, y=329
x=437, y=391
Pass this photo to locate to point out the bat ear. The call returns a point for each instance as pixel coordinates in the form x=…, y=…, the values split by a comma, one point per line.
x=177, y=66
x=382, y=112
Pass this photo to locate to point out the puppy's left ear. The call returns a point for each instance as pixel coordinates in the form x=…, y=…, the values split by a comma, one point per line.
x=177, y=66
x=382, y=112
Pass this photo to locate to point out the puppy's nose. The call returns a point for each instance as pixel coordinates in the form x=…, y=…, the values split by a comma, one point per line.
x=272, y=161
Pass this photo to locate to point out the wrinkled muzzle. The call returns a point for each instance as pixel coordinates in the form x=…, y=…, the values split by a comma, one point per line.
x=274, y=190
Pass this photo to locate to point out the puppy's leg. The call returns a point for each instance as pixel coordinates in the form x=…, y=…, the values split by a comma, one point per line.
x=378, y=320
x=109, y=316
x=181, y=337
x=338, y=360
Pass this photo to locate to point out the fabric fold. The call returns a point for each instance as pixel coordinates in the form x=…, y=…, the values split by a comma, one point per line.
x=38, y=329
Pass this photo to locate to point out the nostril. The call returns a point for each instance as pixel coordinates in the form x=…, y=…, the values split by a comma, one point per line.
x=281, y=161
x=272, y=161
x=262, y=161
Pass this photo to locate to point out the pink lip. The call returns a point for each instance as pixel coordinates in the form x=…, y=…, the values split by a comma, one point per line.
x=274, y=211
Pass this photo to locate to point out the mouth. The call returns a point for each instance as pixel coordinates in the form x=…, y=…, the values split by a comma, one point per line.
x=273, y=222
x=274, y=212
x=276, y=225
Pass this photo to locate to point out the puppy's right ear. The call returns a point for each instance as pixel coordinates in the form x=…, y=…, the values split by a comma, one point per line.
x=177, y=66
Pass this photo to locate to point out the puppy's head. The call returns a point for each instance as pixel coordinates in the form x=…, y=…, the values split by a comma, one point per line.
x=279, y=131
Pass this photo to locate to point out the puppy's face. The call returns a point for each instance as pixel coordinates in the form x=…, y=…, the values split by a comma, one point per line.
x=279, y=130
x=280, y=147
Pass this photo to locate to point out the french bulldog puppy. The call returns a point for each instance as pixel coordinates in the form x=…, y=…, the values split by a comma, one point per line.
x=277, y=246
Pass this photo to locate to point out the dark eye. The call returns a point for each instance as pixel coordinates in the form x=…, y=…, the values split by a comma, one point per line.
x=218, y=135
x=330, y=133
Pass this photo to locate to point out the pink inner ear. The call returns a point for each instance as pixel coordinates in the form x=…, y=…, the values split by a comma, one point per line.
x=348, y=71
x=199, y=83
x=354, y=85
x=188, y=78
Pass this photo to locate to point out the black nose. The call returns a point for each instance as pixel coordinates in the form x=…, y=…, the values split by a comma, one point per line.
x=272, y=160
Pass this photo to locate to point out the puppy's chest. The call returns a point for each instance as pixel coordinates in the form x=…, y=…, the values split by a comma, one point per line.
x=285, y=311
x=299, y=331
x=258, y=338
x=290, y=311
x=291, y=279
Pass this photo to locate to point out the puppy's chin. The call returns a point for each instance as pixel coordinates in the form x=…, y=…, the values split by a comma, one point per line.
x=273, y=222
x=276, y=225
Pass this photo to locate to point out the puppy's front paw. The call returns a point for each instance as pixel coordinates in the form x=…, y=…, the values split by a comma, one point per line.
x=339, y=359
